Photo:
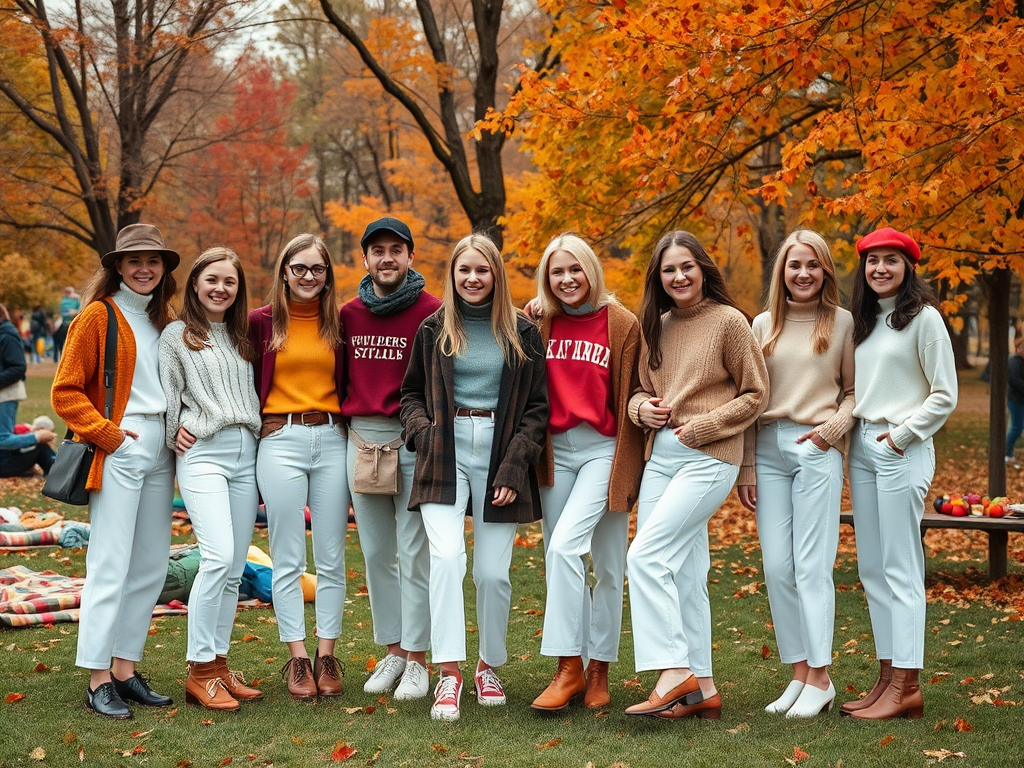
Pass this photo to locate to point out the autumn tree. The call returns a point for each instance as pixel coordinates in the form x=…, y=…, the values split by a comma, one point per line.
x=906, y=113
x=461, y=45
x=119, y=102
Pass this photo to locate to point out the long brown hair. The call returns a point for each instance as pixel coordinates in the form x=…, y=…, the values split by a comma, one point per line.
x=327, y=320
x=914, y=294
x=828, y=296
x=504, y=315
x=106, y=281
x=236, y=317
x=656, y=302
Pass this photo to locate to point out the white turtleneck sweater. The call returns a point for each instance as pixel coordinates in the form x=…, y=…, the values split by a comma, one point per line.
x=147, y=396
x=906, y=378
x=208, y=389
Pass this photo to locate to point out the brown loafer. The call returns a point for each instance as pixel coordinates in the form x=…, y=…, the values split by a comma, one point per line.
x=709, y=708
x=687, y=692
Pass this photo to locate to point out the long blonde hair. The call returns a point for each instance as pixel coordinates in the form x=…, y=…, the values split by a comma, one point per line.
x=588, y=261
x=828, y=297
x=504, y=315
x=327, y=322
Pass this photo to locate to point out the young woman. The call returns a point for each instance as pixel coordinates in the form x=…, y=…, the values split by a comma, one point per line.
x=807, y=340
x=906, y=389
x=590, y=469
x=213, y=416
x=474, y=408
x=299, y=368
x=702, y=383
x=132, y=476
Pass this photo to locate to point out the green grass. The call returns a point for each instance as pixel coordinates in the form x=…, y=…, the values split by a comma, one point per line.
x=965, y=640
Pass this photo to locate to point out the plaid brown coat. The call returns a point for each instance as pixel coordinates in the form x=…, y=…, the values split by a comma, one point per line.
x=520, y=422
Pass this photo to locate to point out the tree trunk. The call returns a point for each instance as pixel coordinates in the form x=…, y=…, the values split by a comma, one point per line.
x=998, y=282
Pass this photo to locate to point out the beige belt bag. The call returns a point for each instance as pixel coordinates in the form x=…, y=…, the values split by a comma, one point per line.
x=376, y=466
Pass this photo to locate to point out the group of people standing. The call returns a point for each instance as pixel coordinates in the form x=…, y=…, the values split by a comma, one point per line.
x=422, y=412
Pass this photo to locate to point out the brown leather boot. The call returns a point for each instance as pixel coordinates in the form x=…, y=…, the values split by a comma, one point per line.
x=327, y=672
x=884, y=676
x=597, y=685
x=299, y=674
x=567, y=683
x=203, y=686
x=235, y=683
x=901, y=699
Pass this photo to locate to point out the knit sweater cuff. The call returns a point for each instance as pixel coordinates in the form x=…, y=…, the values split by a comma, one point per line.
x=747, y=476
x=634, y=407
x=902, y=436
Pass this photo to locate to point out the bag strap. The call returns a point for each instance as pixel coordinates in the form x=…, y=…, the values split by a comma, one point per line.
x=362, y=444
x=109, y=364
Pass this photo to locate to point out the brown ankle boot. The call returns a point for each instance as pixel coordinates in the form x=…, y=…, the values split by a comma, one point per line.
x=204, y=687
x=901, y=699
x=327, y=672
x=235, y=683
x=597, y=685
x=567, y=683
x=884, y=676
x=299, y=674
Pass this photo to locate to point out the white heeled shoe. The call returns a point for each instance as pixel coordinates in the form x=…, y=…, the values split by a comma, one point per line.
x=787, y=699
x=813, y=701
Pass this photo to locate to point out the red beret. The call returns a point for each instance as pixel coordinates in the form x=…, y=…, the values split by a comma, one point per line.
x=887, y=236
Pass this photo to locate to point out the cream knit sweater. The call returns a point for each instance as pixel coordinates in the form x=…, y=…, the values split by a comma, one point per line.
x=712, y=376
x=209, y=389
x=807, y=388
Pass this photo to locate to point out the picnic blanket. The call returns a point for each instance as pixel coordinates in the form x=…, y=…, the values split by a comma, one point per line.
x=64, y=533
x=29, y=597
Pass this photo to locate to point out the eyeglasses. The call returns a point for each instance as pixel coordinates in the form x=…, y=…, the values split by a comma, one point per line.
x=300, y=270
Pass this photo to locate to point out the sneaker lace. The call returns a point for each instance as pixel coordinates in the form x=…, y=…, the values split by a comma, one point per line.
x=489, y=683
x=446, y=688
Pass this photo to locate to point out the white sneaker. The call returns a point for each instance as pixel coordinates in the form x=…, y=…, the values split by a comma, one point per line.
x=489, y=692
x=415, y=683
x=447, y=693
x=385, y=674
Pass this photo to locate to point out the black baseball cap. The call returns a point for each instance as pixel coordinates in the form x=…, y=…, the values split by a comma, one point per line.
x=387, y=224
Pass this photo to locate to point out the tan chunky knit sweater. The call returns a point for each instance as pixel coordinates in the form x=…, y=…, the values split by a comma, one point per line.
x=712, y=376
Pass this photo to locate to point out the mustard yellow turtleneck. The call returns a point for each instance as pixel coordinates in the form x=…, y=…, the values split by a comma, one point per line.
x=304, y=368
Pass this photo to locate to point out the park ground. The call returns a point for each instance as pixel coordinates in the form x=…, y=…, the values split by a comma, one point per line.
x=973, y=680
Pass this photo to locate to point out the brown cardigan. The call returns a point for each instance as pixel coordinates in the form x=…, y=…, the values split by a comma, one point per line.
x=628, y=460
x=428, y=425
x=78, y=396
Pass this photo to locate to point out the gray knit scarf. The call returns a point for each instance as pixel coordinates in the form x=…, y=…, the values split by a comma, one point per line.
x=405, y=296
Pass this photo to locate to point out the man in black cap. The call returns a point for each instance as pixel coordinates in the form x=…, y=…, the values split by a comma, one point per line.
x=379, y=326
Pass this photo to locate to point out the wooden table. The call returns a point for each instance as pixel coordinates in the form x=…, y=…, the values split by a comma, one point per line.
x=997, y=529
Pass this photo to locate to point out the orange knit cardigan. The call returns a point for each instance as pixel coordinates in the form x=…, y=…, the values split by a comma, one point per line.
x=78, y=396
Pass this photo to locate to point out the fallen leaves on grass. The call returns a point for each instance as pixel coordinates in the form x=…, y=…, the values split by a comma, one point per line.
x=12, y=698
x=37, y=754
x=342, y=752
x=886, y=740
x=738, y=728
x=549, y=744
x=371, y=662
x=942, y=754
x=440, y=748
x=962, y=725
x=40, y=667
x=766, y=652
x=225, y=761
x=251, y=638
x=798, y=755
x=376, y=755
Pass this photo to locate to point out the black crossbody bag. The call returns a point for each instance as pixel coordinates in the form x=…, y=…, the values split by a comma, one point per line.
x=70, y=471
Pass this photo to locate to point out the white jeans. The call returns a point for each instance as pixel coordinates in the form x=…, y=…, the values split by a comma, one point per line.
x=126, y=563
x=668, y=561
x=576, y=522
x=445, y=525
x=217, y=480
x=394, y=546
x=798, y=494
x=888, y=492
x=296, y=466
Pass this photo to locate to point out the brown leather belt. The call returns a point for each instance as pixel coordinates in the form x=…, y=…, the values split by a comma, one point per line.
x=274, y=421
x=474, y=412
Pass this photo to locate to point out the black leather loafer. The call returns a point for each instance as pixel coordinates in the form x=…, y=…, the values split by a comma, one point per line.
x=136, y=689
x=105, y=701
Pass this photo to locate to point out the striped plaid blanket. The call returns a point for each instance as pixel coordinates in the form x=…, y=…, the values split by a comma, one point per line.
x=42, y=537
x=29, y=597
